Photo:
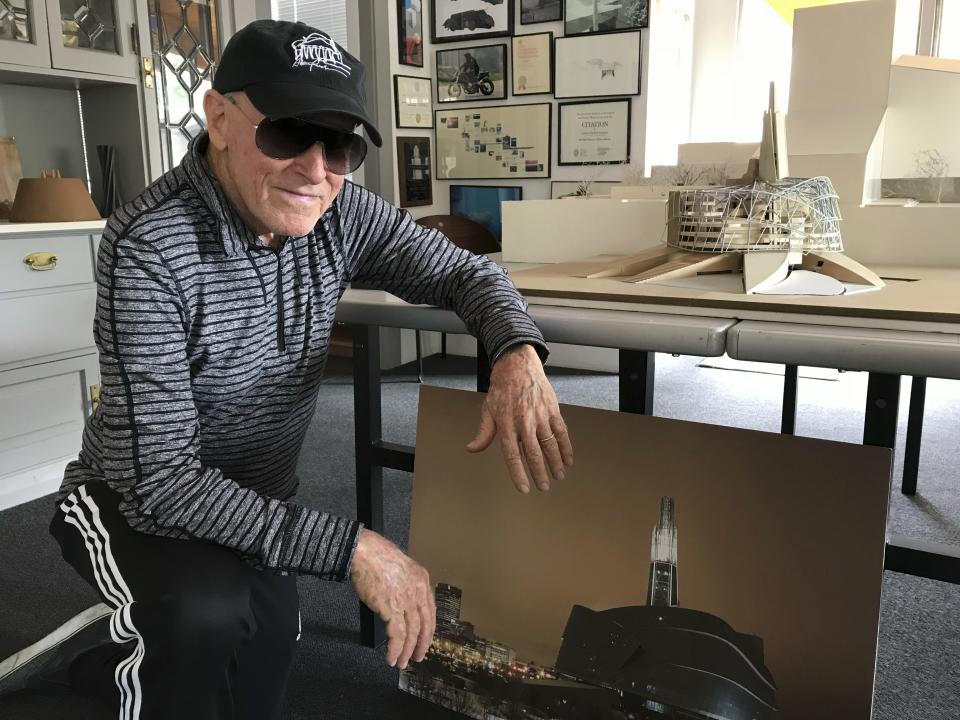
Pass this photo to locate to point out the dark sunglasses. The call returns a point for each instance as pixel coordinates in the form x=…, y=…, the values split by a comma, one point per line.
x=285, y=138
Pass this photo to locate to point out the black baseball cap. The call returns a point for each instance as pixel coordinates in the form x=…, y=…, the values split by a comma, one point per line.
x=290, y=69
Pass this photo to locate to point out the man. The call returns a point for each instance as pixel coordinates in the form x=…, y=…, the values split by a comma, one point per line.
x=469, y=72
x=216, y=295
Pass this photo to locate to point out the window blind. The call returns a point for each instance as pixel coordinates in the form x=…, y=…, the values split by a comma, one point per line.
x=327, y=15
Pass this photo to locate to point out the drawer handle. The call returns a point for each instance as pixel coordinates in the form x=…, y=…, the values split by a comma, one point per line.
x=41, y=261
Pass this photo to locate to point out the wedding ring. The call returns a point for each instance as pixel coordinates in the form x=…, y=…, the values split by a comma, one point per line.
x=546, y=439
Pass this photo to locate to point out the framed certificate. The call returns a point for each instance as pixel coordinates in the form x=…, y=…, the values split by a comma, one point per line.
x=594, y=133
x=412, y=102
x=588, y=66
x=533, y=64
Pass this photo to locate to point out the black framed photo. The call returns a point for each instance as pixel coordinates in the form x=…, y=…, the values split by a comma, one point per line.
x=410, y=32
x=493, y=142
x=581, y=17
x=594, y=132
x=455, y=20
x=587, y=67
x=540, y=11
x=472, y=73
x=413, y=101
x=413, y=170
x=532, y=69
x=481, y=203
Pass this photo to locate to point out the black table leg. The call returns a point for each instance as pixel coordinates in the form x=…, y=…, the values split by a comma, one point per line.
x=880, y=418
x=367, y=431
x=483, y=369
x=637, y=370
x=911, y=451
x=788, y=416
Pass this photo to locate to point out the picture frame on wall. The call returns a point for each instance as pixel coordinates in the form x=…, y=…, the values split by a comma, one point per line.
x=594, y=132
x=414, y=171
x=413, y=103
x=472, y=74
x=585, y=67
x=532, y=68
x=410, y=32
x=481, y=203
x=583, y=17
x=540, y=11
x=493, y=142
x=457, y=20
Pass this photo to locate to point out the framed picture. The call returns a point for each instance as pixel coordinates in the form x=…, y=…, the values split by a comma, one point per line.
x=587, y=67
x=581, y=17
x=454, y=20
x=412, y=104
x=413, y=169
x=532, y=71
x=472, y=74
x=594, y=188
x=503, y=141
x=594, y=133
x=410, y=32
x=539, y=11
x=481, y=203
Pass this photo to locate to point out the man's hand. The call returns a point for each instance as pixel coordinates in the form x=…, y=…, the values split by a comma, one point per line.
x=398, y=590
x=522, y=407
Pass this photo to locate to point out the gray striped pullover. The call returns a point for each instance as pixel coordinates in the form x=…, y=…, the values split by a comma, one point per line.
x=212, y=346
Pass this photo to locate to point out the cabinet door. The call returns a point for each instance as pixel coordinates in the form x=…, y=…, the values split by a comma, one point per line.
x=42, y=412
x=92, y=36
x=23, y=32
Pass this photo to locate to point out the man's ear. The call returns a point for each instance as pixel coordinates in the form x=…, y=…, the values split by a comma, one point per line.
x=215, y=108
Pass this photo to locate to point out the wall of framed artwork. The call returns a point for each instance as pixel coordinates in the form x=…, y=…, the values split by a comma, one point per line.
x=586, y=17
x=413, y=106
x=587, y=67
x=491, y=80
x=494, y=142
x=413, y=170
x=532, y=66
x=594, y=132
x=481, y=203
x=540, y=11
x=456, y=20
x=410, y=32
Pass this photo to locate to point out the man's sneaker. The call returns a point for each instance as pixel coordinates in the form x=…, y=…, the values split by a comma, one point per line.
x=46, y=663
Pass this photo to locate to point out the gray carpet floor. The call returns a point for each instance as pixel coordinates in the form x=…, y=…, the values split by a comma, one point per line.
x=918, y=673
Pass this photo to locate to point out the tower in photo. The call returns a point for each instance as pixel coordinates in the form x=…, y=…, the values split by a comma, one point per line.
x=662, y=588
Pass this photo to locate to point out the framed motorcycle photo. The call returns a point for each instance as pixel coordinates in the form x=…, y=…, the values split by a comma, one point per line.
x=457, y=20
x=472, y=74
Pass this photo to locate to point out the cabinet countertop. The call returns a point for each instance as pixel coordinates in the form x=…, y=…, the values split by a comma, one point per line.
x=85, y=226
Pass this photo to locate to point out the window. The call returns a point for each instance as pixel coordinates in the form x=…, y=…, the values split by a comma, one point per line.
x=947, y=32
x=327, y=15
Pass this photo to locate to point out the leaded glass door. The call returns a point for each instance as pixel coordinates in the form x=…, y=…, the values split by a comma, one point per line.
x=92, y=36
x=23, y=33
x=185, y=40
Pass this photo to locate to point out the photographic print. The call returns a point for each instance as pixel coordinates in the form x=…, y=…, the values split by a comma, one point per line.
x=472, y=74
x=505, y=141
x=539, y=11
x=587, y=67
x=454, y=20
x=594, y=133
x=532, y=70
x=412, y=101
x=413, y=166
x=679, y=570
x=410, y=38
x=481, y=203
x=603, y=16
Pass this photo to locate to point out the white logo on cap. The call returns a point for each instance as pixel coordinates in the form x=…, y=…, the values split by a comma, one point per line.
x=317, y=50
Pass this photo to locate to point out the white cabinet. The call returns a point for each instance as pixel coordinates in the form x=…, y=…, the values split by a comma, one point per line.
x=49, y=375
x=92, y=36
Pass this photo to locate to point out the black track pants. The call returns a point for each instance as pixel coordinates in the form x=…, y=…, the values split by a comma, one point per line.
x=197, y=632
